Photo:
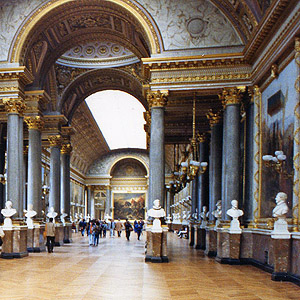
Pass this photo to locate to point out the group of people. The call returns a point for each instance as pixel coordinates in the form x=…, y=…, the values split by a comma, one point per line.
x=96, y=229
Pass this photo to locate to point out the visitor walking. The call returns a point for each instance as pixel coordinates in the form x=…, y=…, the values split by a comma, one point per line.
x=138, y=229
x=50, y=234
x=96, y=233
x=128, y=229
x=112, y=226
x=119, y=227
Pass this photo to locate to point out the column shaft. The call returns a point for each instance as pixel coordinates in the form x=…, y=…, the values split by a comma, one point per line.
x=232, y=171
x=157, y=156
x=108, y=201
x=54, y=196
x=215, y=166
x=65, y=183
x=35, y=171
x=13, y=162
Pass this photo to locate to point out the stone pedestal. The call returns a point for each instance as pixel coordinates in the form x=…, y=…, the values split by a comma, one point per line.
x=156, y=246
x=67, y=233
x=192, y=235
x=281, y=249
x=210, y=242
x=59, y=234
x=35, y=239
x=228, y=247
x=15, y=242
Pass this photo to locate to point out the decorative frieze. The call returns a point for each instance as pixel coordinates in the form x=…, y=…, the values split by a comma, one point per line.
x=34, y=123
x=14, y=105
x=157, y=98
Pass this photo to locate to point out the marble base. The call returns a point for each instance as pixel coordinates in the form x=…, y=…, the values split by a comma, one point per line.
x=156, y=246
x=67, y=233
x=15, y=242
x=191, y=235
x=281, y=251
x=35, y=239
x=228, y=247
x=59, y=234
x=210, y=242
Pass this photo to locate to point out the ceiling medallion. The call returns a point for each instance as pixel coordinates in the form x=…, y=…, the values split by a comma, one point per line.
x=196, y=27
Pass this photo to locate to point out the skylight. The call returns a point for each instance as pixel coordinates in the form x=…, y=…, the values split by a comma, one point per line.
x=119, y=117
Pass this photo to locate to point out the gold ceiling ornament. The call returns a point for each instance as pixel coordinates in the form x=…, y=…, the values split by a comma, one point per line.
x=66, y=149
x=14, y=105
x=157, y=98
x=34, y=122
x=55, y=140
x=214, y=118
x=25, y=151
x=232, y=96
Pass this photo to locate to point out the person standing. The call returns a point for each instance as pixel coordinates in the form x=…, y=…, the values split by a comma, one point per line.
x=90, y=233
x=82, y=225
x=119, y=226
x=112, y=226
x=50, y=234
x=138, y=229
x=96, y=233
x=128, y=229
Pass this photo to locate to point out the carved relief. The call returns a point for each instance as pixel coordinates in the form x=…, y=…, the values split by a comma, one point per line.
x=191, y=24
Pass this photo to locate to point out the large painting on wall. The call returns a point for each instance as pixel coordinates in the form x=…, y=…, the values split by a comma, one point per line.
x=278, y=104
x=129, y=205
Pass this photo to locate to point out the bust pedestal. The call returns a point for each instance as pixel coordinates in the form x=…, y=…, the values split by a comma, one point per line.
x=228, y=247
x=67, y=233
x=156, y=245
x=210, y=242
x=59, y=234
x=35, y=239
x=15, y=242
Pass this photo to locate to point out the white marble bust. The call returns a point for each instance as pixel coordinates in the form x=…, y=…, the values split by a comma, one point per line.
x=281, y=209
x=169, y=219
x=62, y=217
x=218, y=213
x=204, y=215
x=8, y=212
x=29, y=214
x=52, y=213
x=156, y=212
x=235, y=213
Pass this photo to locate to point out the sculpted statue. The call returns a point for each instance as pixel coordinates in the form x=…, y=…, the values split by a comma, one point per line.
x=204, y=215
x=29, y=214
x=52, y=213
x=62, y=217
x=8, y=212
x=156, y=212
x=235, y=213
x=218, y=213
x=169, y=219
x=279, y=212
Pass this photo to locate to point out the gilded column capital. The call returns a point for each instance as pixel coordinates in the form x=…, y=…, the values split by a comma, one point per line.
x=108, y=187
x=55, y=140
x=14, y=105
x=66, y=149
x=231, y=96
x=297, y=44
x=157, y=98
x=214, y=118
x=34, y=122
x=202, y=138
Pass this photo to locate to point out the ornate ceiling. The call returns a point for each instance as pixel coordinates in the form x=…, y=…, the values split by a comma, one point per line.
x=192, y=48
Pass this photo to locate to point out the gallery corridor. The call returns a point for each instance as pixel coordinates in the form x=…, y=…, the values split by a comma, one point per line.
x=116, y=270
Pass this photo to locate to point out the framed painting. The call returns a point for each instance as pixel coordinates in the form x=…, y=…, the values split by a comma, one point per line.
x=129, y=205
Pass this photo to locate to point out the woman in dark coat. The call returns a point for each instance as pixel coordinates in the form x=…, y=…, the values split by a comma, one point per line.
x=128, y=229
x=138, y=229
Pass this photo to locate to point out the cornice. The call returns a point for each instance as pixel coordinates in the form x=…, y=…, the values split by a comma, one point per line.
x=16, y=73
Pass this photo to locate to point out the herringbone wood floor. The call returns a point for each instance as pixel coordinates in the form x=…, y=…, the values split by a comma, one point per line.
x=116, y=270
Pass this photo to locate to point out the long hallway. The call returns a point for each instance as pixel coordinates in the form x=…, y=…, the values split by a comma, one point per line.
x=116, y=270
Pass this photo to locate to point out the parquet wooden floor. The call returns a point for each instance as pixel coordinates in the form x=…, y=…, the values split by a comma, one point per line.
x=116, y=270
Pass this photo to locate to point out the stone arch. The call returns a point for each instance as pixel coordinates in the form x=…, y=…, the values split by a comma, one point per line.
x=119, y=159
x=129, y=9
x=98, y=80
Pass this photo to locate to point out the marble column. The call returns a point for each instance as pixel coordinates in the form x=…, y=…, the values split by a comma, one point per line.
x=34, y=185
x=157, y=101
x=92, y=214
x=21, y=163
x=202, y=178
x=54, y=195
x=14, y=107
x=108, y=200
x=215, y=160
x=2, y=169
x=231, y=179
x=65, y=180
